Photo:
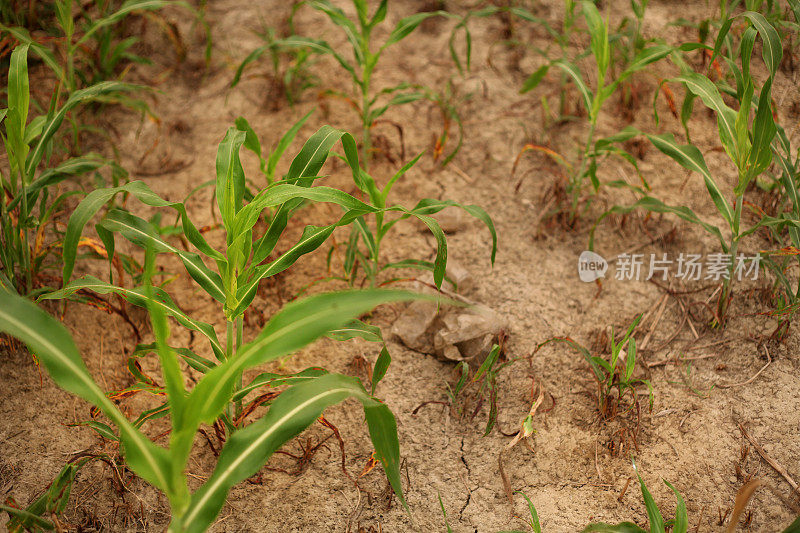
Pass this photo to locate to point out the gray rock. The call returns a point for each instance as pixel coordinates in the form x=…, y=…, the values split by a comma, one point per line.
x=460, y=275
x=413, y=327
x=453, y=334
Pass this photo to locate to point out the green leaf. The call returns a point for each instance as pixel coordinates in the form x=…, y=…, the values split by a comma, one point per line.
x=772, y=51
x=318, y=47
x=575, y=74
x=488, y=363
x=701, y=86
x=283, y=192
x=534, y=79
x=630, y=359
x=357, y=329
x=293, y=411
x=368, y=332
x=657, y=206
x=314, y=153
x=653, y=514
x=284, y=143
x=98, y=198
x=45, y=54
x=535, y=525
x=430, y=206
x=72, y=167
x=381, y=366
x=643, y=59
x=21, y=516
x=338, y=17
x=252, y=56
x=230, y=177
x=128, y=7
x=598, y=30
x=138, y=297
x=54, y=347
x=18, y=102
x=311, y=239
x=78, y=97
x=269, y=379
x=296, y=325
x=408, y=24
x=681, y=524
x=141, y=233
x=251, y=141
x=690, y=158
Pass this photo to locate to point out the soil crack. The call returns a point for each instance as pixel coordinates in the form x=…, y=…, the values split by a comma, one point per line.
x=466, y=483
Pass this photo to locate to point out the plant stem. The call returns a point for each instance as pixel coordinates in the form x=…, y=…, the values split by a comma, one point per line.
x=577, y=178
x=239, y=335
x=228, y=354
x=724, y=299
x=366, y=143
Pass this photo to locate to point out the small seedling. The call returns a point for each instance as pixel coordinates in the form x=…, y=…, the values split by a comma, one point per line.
x=371, y=105
x=33, y=197
x=370, y=261
x=245, y=450
x=291, y=73
x=469, y=394
x=595, y=150
x=678, y=524
x=614, y=377
x=747, y=142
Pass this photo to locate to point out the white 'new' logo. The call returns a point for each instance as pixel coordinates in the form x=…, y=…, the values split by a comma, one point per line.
x=591, y=266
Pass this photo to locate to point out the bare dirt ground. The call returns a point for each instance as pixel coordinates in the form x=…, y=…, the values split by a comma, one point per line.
x=575, y=472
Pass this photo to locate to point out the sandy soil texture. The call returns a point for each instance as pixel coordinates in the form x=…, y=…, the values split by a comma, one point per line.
x=576, y=468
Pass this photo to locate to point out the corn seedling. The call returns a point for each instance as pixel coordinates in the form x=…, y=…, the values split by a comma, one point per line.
x=245, y=450
x=448, y=103
x=372, y=235
x=28, y=205
x=245, y=261
x=469, y=394
x=559, y=37
x=52, y=501
x=617, y=388
x=370, y=104
x=628, y=43
x=595, y=150
x=92, y=49
x=746, y=140
x=616, y=374
x=787, y=234
x=291, y=75
x=678, y=524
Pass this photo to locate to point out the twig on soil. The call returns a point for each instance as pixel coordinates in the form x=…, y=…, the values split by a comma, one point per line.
x=596, y=463
x=712, y=344
x=752, y=379
x=661, y=306
x=624, y=490
x=640, y=246
x=676, y=360
x=772, y=462
x=463, y=174
x=522, y=433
